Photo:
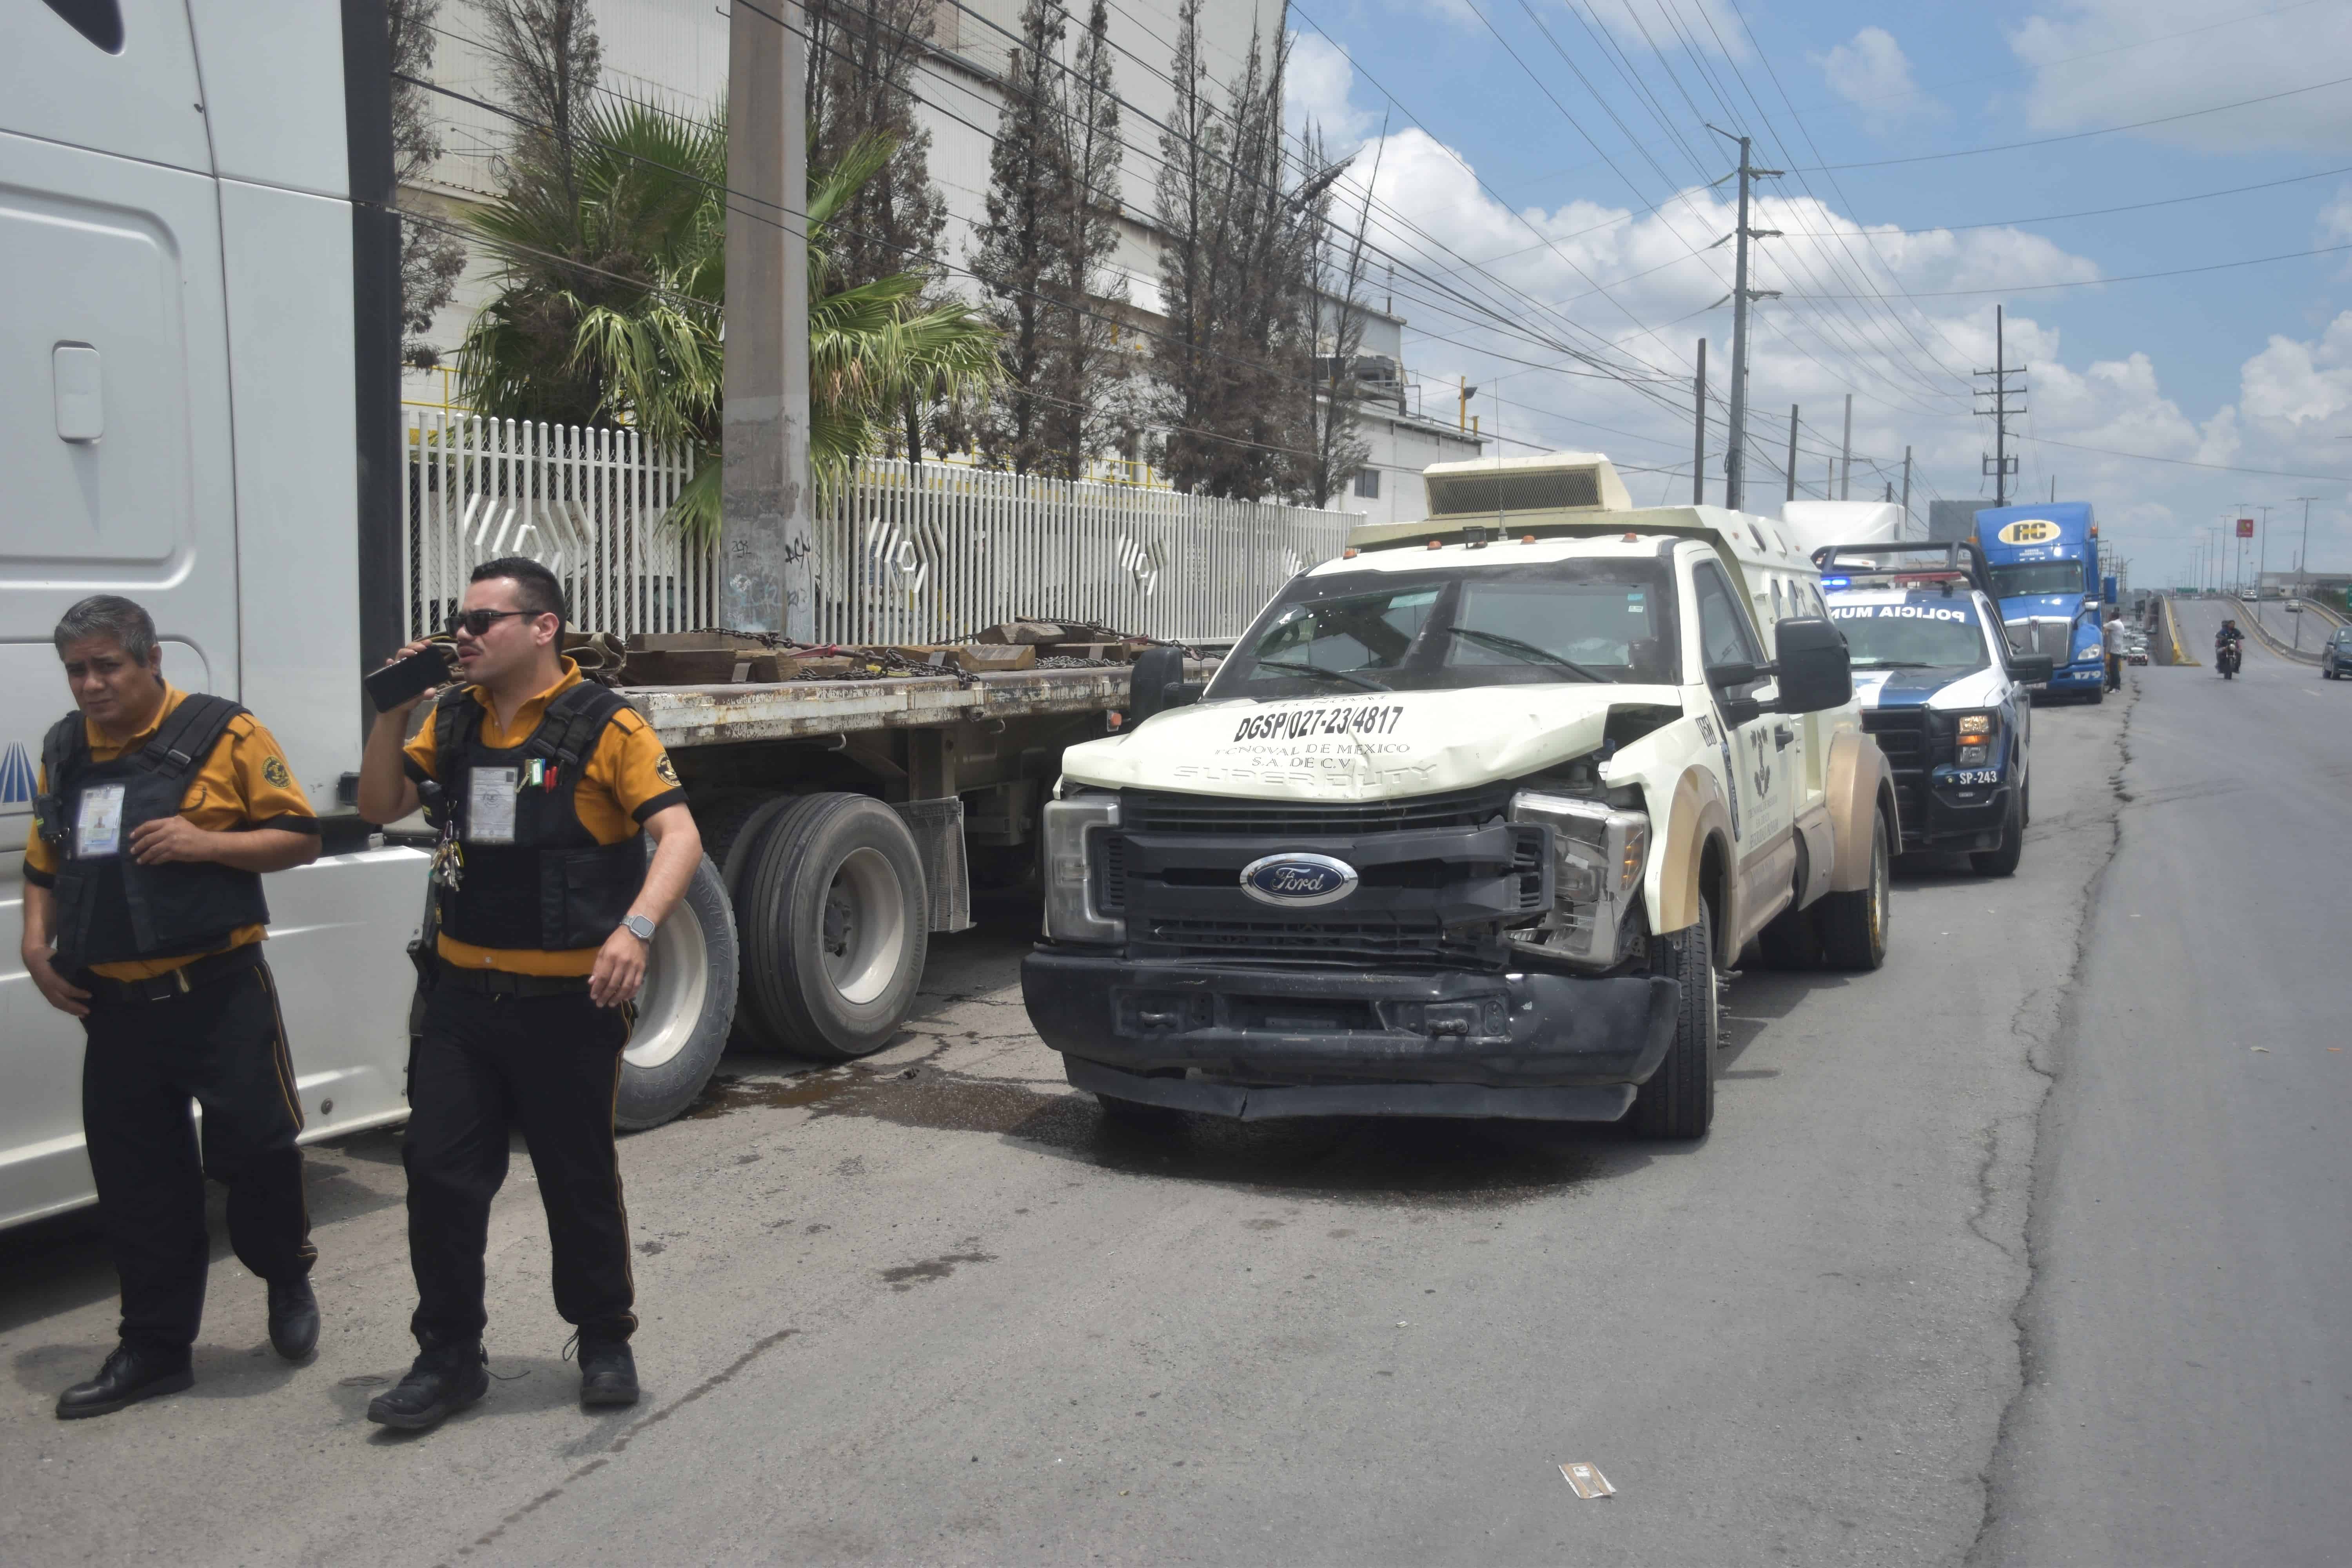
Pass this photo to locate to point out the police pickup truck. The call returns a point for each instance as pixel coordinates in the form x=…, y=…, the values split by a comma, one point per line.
x=1472, y=823
x=1942, y=693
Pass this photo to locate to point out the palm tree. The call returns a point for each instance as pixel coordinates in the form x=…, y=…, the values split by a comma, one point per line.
x=612, y=280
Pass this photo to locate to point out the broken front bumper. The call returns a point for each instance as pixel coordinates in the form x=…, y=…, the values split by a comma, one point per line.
x=1257, y=1043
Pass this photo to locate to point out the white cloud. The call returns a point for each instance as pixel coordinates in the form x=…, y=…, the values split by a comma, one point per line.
x=2085, y=74
x=1870, y=73
x=1317, y=91
x=2293, y=400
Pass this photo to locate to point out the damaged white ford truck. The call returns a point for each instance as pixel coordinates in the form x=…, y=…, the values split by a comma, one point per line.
x=1472, y=823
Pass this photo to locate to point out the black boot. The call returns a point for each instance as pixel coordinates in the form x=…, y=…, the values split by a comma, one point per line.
x=131, y=1374
x=445, y=1380
x=293, y=1318
x=608, y=1371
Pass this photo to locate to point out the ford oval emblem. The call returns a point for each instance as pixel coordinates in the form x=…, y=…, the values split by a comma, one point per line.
x=1297, y=882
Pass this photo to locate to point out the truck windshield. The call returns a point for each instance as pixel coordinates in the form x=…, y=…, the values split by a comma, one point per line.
x=2038, y=577
x=1911, y=636
x=1433, y=631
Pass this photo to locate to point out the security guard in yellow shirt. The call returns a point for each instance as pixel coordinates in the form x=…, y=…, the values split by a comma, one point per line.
x=144, y=917
x=547, y=907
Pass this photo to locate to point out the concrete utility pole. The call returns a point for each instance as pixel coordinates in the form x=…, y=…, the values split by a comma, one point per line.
x=2262, y=553
x=766, y=540
x=1735, y=443
x=2000, y=465
x=1845, y=454
x=2303, y=564
x=1698, y=437
x=1907, y=484
x=1792, y=451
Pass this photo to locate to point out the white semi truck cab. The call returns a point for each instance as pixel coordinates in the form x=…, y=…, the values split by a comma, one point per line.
x=1471, y=823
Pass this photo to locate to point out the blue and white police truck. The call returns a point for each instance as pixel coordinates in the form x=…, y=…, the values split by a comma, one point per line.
x=1943, y=696
x=2044, y=565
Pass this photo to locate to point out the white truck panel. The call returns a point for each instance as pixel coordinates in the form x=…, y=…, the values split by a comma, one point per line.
x=145, y=103
x=270, y=85
x=1815, y=523
x=296, y=509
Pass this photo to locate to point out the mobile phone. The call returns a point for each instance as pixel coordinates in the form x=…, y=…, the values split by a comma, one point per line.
x=415, y=675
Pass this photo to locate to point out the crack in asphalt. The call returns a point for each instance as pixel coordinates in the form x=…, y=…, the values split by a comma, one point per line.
x=2045, y=1055
x=627, y=1435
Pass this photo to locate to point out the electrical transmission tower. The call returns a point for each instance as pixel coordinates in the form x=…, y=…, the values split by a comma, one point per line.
x=2000, y=465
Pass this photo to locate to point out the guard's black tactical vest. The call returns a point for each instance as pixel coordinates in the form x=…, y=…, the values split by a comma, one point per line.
x=109, y=908
x=554, y=888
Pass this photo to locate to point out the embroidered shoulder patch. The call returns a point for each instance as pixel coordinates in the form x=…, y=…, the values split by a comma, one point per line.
x=274, y=770
x=665, y=770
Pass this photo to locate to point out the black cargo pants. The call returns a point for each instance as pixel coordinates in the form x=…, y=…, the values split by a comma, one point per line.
x=222, y=1045
x=550, y=1065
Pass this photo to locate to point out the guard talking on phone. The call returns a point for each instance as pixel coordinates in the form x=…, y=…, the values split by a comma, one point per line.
x=156, y=814
x=546, y=906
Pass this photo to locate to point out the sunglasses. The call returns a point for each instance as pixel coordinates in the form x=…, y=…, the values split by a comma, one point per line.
x=477, y=622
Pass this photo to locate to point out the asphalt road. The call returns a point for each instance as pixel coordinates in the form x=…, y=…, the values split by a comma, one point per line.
x=2189, y=1393
x=932, y=1309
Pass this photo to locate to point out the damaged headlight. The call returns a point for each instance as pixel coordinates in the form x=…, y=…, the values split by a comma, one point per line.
x=1076, y=830
x=1598, y=854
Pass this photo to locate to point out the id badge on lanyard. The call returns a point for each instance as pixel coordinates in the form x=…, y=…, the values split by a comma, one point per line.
x=490, y=805
x=98, y=823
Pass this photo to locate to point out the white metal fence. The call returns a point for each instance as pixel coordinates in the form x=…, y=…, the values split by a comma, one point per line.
x=907, y=553
x=585, y=503
x=922, y=555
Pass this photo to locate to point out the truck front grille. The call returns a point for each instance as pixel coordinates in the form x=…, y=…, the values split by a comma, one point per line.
x=1912, y=750
x=1155, y=811
x=1353, y=944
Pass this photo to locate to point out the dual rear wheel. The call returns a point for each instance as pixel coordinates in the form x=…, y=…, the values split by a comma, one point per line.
x=805, y=930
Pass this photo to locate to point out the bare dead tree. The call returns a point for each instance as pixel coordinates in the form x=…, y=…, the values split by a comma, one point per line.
x=430, y=257
x=547, y=59
x=1329, y=291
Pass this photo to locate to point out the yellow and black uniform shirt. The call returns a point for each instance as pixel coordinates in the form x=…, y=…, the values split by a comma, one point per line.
x=628, y=778
x=244, y=783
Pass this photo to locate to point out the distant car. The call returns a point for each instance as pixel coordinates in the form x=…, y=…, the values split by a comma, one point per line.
x=2135, y=647
x=2335, y=653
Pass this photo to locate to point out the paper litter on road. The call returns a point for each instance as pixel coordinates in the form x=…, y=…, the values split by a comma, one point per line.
x=1588, y=1480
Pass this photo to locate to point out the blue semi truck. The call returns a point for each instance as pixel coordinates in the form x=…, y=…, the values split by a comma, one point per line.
x=2044, y=563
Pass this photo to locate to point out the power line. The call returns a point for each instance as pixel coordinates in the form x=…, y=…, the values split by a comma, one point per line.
x=2090, y=212
x=2079, y=135
x=2125, y=277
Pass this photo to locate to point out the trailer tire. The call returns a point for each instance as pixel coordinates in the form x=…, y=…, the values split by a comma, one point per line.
x=684, y=1009
x=837, y=924
x=1679, y=1100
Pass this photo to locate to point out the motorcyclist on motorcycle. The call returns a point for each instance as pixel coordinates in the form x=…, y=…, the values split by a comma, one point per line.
x=2229, y=648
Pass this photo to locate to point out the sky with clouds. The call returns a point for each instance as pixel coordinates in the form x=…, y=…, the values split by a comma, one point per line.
x=1542, y=174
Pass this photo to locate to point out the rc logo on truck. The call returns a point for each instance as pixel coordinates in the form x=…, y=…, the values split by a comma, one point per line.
x=1298, y=881
x=2030, y=530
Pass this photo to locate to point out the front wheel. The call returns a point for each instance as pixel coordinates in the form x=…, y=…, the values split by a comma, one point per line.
x=2001, y=859
x=684, y=1009
x=1679, y=1100
x=1854, y=925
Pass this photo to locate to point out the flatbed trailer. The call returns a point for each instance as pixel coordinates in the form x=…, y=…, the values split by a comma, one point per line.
x=846, y=821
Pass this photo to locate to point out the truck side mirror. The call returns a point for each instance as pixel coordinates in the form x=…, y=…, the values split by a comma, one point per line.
x=1156, y=682
x=2032, y=668
x=1816, y=672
